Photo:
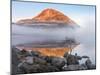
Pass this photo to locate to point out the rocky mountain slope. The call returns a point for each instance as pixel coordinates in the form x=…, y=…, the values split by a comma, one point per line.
x=48, y=16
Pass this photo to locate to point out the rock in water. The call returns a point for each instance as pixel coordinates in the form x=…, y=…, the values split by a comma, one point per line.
x=85, y=56
x=35, y=53
x=74, y=67
x=72, y=60
x=89, y=64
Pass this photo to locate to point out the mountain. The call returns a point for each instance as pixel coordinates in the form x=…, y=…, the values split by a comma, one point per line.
x=48, y=16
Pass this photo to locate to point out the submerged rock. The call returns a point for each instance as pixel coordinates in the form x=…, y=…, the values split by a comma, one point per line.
x=74, y=67
x=85, y=57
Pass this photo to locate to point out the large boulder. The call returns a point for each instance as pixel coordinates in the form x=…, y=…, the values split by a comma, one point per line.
x=34, y=60
x=72, y=59
x=89, y=64
x=36, y=68
x=29, y=60
x=22, y=54
x=15, y=60
x=14, y=55
x=58, y=62
x=38, y=60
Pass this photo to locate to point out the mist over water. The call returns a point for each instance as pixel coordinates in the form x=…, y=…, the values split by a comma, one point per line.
x=86, y=36
x=27, y=34
x=31, y=35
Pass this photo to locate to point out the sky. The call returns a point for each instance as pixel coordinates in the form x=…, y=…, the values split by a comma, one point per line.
x=23, y=10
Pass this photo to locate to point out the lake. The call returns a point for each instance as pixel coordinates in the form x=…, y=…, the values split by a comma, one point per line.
x=48, y=36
